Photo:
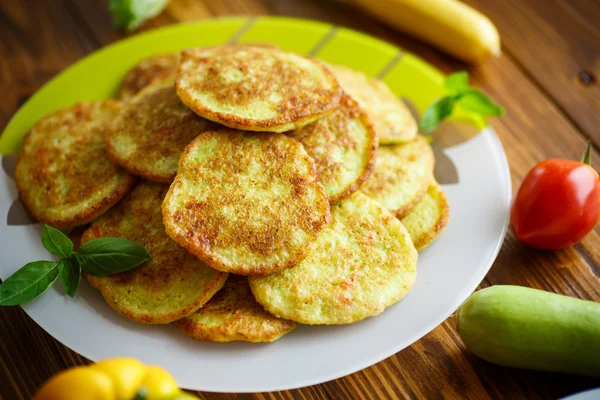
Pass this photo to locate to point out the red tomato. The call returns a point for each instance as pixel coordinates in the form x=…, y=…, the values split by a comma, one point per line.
x=557, y=204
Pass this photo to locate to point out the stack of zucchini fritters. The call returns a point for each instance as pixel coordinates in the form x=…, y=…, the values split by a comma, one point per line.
x=270, y=189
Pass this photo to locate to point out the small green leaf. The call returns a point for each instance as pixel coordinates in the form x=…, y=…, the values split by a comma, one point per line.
x=121, y=11
x=457, y=82
x=56, y=242
x=477, y=102
x=70, y=275
x=132, y=13
x=107, y=256
x=28, y=283
x=436, y=113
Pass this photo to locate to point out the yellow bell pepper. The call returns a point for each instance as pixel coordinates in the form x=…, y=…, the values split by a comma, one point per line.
x=113, y=379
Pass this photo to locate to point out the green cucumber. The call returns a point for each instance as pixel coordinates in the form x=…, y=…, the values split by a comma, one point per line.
x=526, y=328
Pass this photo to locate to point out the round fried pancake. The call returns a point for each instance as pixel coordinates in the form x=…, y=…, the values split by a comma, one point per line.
x=152, y=131
x=246, y=203
x=63, y=174
x=391, y=118
x=401, y=175
x=233, y=314
x=343, y=145
x=429, y=217
x=173, y=284
x=159, y=68
x=255, y=88
x=363, y=262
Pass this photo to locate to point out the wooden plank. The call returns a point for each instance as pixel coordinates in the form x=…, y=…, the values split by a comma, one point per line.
x=38, y=40
x=557, y=43
x=96, y=16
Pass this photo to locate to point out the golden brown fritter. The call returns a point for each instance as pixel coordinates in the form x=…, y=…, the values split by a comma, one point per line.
x=391, y=118
x=246, y=203
x=156, y=69
x=152, y=131
x=363, y=262
x=63, y=174
x=401, y=175
x=173, y=284
x=343, y=145
x=428, y=218
x=233, y=314
x=255, y=88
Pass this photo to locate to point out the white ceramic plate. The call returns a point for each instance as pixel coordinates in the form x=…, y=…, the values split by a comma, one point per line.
x=448, y=271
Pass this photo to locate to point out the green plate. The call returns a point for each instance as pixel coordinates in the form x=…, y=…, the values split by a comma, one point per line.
x=99, y=75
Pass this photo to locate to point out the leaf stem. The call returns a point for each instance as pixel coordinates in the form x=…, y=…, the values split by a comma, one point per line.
x=587, y=157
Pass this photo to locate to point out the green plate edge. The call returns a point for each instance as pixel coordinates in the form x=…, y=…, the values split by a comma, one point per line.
x=407, y=75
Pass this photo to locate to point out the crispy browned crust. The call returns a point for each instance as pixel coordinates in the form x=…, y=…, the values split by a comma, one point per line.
x=199, y=225
x=159, y=126
x=330, y=132
x=146, y=318
x=391, y=118
x=390, y=176
x=137, y=170
x=33, y=159
x=89, y=215
x=294, y=110
x=406, y=209
x=424, y=240
x=155, y=69
x=136, y=218
x=234, y=315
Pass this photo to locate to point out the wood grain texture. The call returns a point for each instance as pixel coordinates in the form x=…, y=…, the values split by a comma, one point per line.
x=557, y=44
x=550, y=113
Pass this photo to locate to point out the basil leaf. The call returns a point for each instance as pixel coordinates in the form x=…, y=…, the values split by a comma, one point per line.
x=132, y=13
x=107, y=256
x=56, y=242
x=436, y=113
x=28, y=283
x=477, y=102
x=70, y=275
x=457, y=82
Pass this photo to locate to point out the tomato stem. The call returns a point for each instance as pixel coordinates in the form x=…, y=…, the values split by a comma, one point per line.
x=587, y=158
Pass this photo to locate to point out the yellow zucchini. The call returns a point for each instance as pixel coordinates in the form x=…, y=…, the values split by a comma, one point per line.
x=450, y=25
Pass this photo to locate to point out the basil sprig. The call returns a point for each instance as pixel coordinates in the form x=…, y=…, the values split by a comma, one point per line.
x=99, y=257
x=459, y=92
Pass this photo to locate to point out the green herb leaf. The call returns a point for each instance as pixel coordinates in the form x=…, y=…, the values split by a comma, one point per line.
x=436, y=113
x=107, y=256
x=457, y=82
x=56, y=242
x=477, y=102
x=70, y=275
x=121, y=11
x=132, y=13
x=28, y=283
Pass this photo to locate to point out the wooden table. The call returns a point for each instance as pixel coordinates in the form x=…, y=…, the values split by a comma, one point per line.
x=546, y=79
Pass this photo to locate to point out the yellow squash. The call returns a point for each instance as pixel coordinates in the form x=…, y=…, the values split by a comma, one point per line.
x=450, y=25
